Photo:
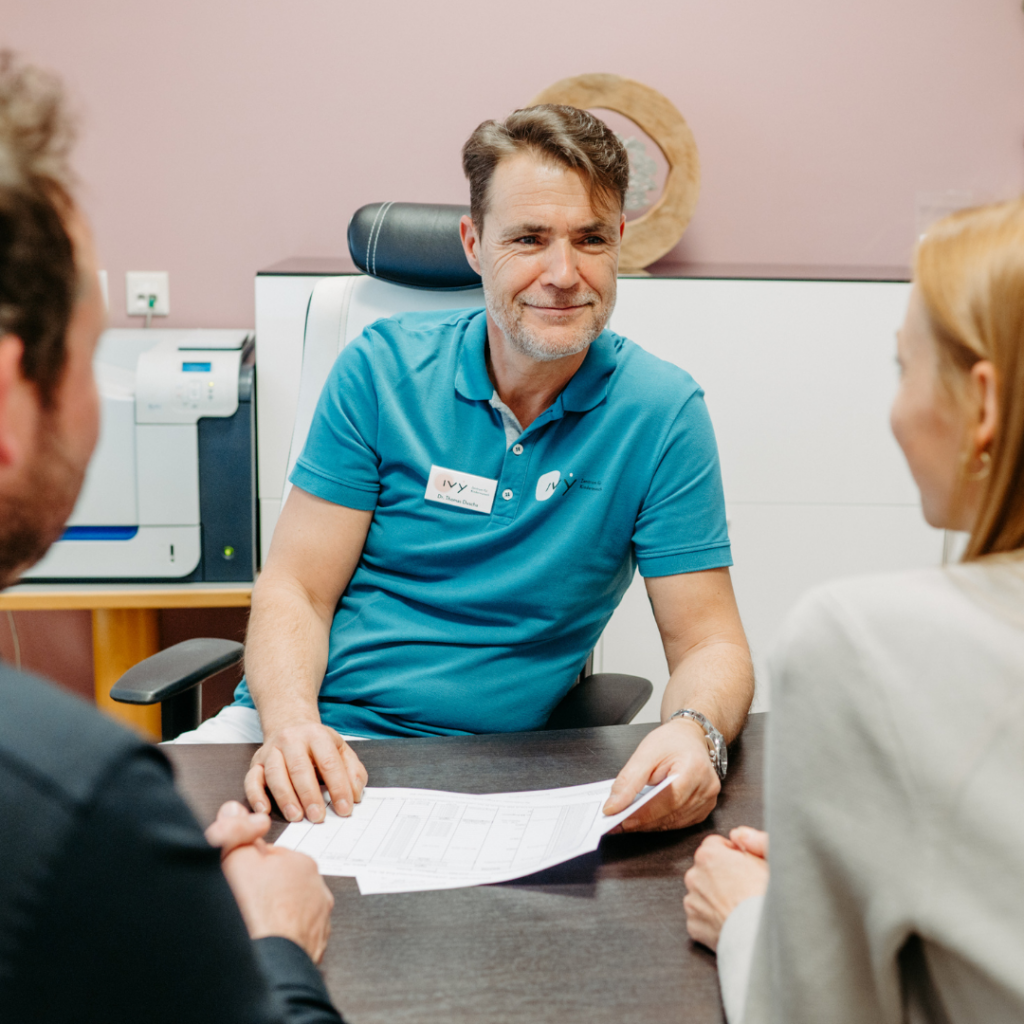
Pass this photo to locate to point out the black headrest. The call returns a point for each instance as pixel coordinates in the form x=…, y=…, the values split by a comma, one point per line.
x=411, y=243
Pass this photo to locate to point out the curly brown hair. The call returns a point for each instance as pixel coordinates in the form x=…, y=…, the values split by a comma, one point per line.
x=567, y=135
x=38, y=277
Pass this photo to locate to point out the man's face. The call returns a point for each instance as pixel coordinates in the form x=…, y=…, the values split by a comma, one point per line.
x=548, y=258
x=41, y=492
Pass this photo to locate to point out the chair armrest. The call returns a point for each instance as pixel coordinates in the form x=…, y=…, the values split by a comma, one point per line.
x=175, y=670
x=603, y=699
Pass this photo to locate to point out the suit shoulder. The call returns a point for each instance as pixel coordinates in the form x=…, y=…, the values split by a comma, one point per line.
x=55, y=741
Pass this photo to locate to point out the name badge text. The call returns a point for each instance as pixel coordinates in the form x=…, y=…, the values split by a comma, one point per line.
x=464, y=490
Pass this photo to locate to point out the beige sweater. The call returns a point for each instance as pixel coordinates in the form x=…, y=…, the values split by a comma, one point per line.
x=895, y=803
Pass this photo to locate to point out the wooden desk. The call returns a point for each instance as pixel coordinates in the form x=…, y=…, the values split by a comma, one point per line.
x=125, y=627
x=600, y=939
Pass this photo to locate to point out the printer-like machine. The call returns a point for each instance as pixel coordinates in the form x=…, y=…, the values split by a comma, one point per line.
x=170, y=493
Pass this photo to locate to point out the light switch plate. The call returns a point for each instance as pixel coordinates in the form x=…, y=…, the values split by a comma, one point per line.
x=140, y=285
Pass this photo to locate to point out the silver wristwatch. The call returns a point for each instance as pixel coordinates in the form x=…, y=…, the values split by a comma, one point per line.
x=712, y=737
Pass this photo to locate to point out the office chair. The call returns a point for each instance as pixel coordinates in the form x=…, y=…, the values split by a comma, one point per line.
x=413, y=260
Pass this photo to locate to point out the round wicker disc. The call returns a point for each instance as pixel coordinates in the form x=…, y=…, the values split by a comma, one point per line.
x=649, y=237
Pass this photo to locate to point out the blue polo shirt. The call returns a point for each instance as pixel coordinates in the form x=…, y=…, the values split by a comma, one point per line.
x=460, y=621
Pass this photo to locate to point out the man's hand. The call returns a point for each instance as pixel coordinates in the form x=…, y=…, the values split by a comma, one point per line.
x=724, y=874
x=677, y=747
x=288, y=764
x=280, y=892
x=236, y=826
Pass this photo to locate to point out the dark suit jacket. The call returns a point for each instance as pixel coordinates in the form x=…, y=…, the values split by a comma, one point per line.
x=112, y=905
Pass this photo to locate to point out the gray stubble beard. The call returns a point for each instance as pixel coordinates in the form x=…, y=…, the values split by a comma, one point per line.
x=526, y=342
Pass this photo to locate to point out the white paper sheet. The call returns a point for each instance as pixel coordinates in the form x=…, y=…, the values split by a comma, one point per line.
x=407, y=840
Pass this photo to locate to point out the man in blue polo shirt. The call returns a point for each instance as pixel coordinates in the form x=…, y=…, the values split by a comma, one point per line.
x=476, y=491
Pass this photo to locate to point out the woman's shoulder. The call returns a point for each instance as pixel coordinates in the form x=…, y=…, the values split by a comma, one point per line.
x=886, y=598
x=988, y=592
x=916, y=637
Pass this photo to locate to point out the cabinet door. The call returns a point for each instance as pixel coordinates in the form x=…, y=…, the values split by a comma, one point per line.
x=798, y=377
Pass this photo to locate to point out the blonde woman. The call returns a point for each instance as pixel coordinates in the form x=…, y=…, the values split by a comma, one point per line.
x=895, y=765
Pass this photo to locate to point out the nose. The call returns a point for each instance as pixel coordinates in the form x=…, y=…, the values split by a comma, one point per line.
x=561, y=270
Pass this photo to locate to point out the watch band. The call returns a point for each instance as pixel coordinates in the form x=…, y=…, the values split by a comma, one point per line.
x=715, y=741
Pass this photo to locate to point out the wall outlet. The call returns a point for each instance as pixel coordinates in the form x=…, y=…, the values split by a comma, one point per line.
x=141, y=286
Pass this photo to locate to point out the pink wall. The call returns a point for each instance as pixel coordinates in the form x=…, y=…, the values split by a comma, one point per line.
x=222, y=135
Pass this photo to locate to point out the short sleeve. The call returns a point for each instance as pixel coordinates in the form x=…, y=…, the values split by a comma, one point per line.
x=340, y=462
x=681, y=526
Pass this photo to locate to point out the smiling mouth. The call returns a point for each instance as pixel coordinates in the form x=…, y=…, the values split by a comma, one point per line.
x=556, y=309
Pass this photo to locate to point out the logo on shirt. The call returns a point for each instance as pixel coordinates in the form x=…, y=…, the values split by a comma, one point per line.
x=554, y=483
x=548, y=483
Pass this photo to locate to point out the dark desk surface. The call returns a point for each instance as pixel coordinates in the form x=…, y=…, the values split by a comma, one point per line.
x=599, y=939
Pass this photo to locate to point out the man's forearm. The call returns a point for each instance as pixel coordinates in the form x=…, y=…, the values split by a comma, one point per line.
x=716, y=679
x=285, y=653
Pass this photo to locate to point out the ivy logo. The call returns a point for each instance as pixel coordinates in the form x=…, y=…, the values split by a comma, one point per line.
x=548, y=484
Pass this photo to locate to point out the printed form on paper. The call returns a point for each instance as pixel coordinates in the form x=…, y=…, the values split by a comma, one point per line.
x=407, y=840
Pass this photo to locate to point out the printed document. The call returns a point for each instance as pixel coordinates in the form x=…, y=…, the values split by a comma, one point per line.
x=406, y=840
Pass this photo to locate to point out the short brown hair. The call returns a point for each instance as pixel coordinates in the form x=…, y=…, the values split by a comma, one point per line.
x=566, y=135
x=969, y=269
x=38, y=276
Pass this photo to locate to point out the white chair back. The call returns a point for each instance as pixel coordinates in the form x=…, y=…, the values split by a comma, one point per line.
x=339, y=309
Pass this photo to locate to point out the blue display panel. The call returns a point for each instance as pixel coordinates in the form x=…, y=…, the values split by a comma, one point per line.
x=197, y=367
x=99, y=533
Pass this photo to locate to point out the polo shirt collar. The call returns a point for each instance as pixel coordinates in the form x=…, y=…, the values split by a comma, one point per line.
x=471, y=380
x=587, y=388
x=589, y=383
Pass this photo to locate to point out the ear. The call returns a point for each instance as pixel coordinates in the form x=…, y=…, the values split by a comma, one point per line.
x=12, y=384
x=622, y=226
x=986, y=404
x=470, y=242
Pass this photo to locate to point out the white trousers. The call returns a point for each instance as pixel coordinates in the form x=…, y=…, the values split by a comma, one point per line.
x=233, y=724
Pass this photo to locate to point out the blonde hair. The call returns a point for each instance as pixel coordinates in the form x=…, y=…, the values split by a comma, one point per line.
x=969, y=269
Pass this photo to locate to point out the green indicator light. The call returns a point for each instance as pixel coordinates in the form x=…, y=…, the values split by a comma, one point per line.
x=228, y=552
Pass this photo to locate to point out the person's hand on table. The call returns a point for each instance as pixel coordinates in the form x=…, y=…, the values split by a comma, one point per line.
x=676, y=748
x=725, y=872
x=279, y=892
x=236, y=826
x=291, y=763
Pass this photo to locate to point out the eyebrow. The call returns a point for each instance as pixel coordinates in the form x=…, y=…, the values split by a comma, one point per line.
x=594, y=228
x=526, y=229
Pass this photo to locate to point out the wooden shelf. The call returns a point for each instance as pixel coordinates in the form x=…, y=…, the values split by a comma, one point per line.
x=90, y=596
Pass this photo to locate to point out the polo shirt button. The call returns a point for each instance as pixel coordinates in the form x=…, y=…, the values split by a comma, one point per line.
x=506, y=494
x=517, y=449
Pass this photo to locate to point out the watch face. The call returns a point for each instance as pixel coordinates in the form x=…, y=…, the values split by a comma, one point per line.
x=714, y=740
x=719, y=752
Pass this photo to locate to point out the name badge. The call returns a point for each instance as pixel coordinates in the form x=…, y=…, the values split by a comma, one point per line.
x=450, y=487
